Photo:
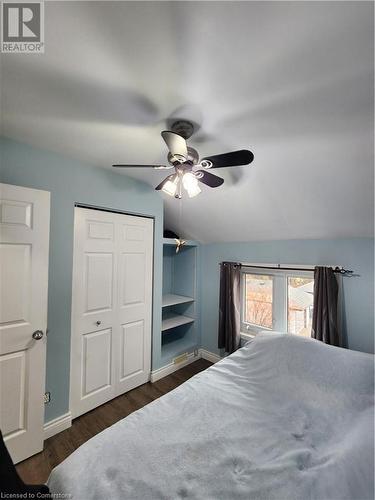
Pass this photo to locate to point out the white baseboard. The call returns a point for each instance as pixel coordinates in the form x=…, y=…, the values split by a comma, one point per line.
x=172, y=367
x=57, y=425
x=209, y=356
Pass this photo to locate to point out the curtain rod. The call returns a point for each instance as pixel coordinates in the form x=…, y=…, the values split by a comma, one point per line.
x=337, y=269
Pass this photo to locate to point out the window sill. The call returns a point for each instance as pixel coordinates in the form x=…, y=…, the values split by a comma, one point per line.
x=247, y=336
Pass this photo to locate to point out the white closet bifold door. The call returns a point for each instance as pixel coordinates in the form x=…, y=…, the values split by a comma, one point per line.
x=111, y=306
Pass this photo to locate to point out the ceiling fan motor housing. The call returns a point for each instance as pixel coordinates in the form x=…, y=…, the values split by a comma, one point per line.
x=176, y=160
x=183, y=128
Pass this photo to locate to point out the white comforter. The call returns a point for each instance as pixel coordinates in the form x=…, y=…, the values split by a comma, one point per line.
x=283, y=418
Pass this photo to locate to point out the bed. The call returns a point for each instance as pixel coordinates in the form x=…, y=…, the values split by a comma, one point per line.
x=283, y=418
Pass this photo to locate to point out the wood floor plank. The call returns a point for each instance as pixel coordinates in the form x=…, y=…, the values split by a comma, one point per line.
x=36, y=469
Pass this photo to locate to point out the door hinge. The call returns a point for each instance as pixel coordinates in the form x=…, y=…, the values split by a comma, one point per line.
x=47, y=397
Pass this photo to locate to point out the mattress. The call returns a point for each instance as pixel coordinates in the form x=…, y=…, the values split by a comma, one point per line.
x=284, y=417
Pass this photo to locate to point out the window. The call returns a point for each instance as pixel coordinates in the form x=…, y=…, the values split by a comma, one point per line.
x=258, y=300
x=277, y=300
x=300, y=305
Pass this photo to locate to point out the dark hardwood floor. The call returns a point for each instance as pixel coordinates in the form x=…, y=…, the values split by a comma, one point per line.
x=37, y=468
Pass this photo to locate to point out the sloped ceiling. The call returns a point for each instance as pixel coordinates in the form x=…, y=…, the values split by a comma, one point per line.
x=292, y=81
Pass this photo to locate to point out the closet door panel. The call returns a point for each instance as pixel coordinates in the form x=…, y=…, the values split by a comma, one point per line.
x=132, y=276
x=132, y=349
x=96, y=361
x=112, y=306
x=135, y=297
x=93, y=310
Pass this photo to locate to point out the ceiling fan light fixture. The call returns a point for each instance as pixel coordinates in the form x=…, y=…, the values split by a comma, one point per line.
x=189, y=180
x=190, y=183
x=193, y=191
x=170, y=187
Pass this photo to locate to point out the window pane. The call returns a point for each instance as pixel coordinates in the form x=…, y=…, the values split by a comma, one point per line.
x=258, y=300
x=300, y=305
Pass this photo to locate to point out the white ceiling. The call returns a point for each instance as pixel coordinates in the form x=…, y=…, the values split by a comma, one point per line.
x=292, y=81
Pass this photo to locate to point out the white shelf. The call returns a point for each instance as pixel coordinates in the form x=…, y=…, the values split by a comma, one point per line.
x=172, y=241
x=171, y=299
x=173, y=320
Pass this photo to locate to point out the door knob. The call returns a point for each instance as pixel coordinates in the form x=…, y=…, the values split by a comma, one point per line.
x=37, y=335
x=98, y=323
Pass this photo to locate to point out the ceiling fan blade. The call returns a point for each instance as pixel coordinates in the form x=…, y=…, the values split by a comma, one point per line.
x=234, y=159
x=208, y=178
x=157, y=167
x=175, y=143
x=160, y=186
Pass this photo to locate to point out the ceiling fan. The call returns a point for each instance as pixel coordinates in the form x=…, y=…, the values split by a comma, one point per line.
x=189, y=170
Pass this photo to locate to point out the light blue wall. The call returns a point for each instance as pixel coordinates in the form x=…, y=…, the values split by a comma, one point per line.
x=69, y=182
x=358, y=292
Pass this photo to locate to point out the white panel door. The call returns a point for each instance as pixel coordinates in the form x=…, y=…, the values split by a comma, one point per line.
x=112, y=306
x=135, y=239
x=24, y=244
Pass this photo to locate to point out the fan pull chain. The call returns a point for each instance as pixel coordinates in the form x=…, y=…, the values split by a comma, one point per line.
x=180, y=216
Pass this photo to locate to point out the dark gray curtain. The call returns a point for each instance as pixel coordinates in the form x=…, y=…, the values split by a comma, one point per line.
x=325, y=318
x=229, y=307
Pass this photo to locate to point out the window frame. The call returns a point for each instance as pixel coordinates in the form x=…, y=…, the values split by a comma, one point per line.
x=279, y=298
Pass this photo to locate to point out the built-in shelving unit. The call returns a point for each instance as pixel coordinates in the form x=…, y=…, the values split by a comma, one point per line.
x=179, y=306
x=172, y=320
x=171, y=299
